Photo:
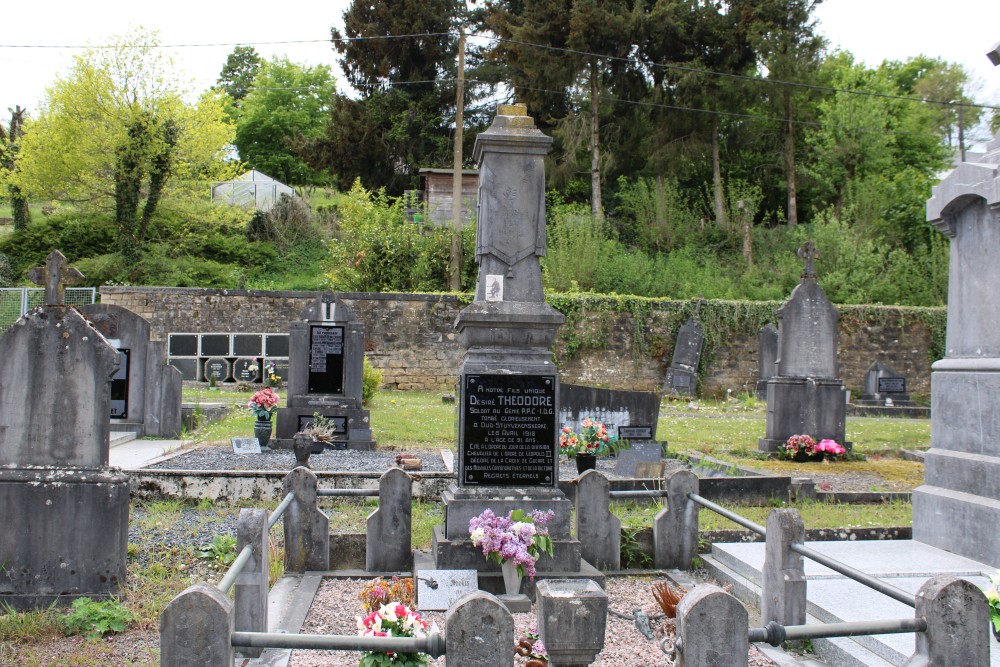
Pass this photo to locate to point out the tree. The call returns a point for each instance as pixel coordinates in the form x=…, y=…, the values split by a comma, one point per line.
x=116, y=132
x=287, y=107
x=237, y=75
x=10, y=145
x=398, y=55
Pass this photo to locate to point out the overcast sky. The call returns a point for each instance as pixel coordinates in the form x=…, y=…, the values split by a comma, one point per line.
x=959, y=31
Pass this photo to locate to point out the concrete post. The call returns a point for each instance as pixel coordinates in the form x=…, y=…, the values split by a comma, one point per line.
x=599, y=531
x=196, y=629
x=307, y=529
x=251, y=584
x=783, y=580
x=712, y=629
x=480, y=632
x=388, y=540
x=572, y=619
x=958, y=624
x=675, y=528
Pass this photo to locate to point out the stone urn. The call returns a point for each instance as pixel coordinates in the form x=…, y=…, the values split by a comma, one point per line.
x=302, y=446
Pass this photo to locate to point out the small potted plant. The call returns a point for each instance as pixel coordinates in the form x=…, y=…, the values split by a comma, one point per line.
x=392, y=620
x=516, y=541
x=263, y=404
x=585, y=446
x=993, y=598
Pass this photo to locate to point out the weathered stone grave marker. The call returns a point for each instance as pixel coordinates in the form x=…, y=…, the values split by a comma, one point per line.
x=437, y=590
x=65, y=528
x=884, y=386
x=806, y=396
x=682, y=375
x=326, y=353
x=768, y=354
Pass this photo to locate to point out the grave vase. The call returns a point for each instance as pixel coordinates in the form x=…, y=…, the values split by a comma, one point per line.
x=585, y=462
x=262, y=431
x=511, y=577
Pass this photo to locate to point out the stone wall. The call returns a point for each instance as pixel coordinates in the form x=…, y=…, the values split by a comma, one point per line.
x=411, y=337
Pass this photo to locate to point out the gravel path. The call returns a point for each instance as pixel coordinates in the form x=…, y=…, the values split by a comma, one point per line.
x=336, y=607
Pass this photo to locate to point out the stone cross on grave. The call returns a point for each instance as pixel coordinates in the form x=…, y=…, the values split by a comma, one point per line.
x=810, y=253
x=53, y=275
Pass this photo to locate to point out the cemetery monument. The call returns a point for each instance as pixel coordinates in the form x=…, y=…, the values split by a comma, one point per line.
x=805, y=396
x=682, y=375
x=65, y=528
x=509, y=385
x=958, y=506
x=326, y=354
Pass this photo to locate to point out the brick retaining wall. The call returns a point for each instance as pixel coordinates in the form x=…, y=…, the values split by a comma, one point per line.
x=411, y=337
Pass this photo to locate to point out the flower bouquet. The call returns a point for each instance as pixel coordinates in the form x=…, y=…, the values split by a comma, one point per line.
x=518, y=537
x=392, y=620
x=379, y=592
x=263, y=404
x=804, y=447
x=593, y=438
x=993, y=598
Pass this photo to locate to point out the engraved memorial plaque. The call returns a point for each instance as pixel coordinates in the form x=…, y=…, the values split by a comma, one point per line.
x=891, y=385
x=246, y=370
x=187, y=367
x=326, y=359
x=246, y=446
x=215, y=345
x=437, y=590
x=248, y=345
x=508, y=430
x=218, y=368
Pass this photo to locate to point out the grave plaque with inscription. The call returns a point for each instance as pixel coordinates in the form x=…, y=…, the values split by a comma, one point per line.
x=218, y=368
x=326, y=359
x=119, y=387
x=508, y=430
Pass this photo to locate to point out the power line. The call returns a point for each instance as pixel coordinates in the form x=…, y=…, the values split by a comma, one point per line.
x=227, y=44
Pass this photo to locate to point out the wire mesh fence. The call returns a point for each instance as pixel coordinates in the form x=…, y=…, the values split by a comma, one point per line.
x=16, y=301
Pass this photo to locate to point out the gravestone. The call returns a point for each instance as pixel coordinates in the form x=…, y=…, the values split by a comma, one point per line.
x=884, y=386
x=682, y=375
x=634, y=411
x=806, y=396
x=437, y=590
x=767, y=369
x=630, y=460
x=509, y=384
x=65, y=525
x=326, y=354
x=145, y=392
x=958, y=506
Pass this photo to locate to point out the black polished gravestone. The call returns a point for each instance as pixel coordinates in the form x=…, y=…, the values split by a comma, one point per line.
x=508, y=425
x=326, y=351
x=884, y=386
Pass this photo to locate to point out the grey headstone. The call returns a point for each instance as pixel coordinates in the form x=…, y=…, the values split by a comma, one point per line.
x=783, y=587
x=448, y=587
x=682, y=374
x=629, y=458
x=712, y=629
x=882, y=382
x=675, y=527
x=307, y=528
x=768, y=355
x=251, y=586
x=957, y=623
x=807, y=346
x=246, y=446
x=389, y=546
x=599, y=531
x=480, y=632
x=195, y=629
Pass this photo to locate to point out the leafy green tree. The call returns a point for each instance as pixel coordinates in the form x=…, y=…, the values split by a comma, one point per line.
x=288, y=106
x=237, y=75
x=116, y=132
x=10, y=145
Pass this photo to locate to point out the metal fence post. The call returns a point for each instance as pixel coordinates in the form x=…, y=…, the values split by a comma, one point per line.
x=675, y=527
x=252, y=583
x=783, y=580
x=307, y=529
x=196, y=629
x=479, y=632
x=388, y=545
x=599, y=531
x=958, y=622
x=712, y=629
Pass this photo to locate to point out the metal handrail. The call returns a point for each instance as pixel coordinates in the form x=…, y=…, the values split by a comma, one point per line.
x=280, y=510
x=774, y=633
x=835, y=565
x=639, y=493
x=432, y=644
x=234, y=570
x=732, y=516
x=347, y=492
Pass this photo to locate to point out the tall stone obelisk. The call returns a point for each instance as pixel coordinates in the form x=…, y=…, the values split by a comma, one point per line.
x=508, y=429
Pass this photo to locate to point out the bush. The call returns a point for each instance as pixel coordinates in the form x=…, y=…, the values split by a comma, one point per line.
x=94, y=619
x=371, y=382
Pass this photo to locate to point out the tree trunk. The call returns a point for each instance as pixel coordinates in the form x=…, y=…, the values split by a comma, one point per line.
x=18, y=204
x=720, y=198
x=661, y=216
x=596, y=206
x=793, y=208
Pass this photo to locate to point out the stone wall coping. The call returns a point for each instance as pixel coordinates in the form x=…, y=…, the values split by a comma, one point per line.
x=286, y=294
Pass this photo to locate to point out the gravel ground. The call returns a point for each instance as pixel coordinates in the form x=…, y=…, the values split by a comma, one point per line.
x=336, y=607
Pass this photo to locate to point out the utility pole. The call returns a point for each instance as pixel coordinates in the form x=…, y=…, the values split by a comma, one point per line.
x=455, y=257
